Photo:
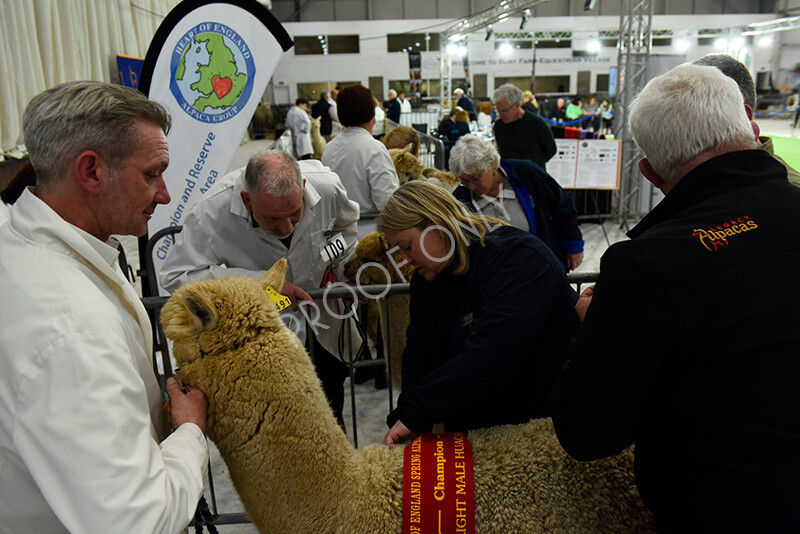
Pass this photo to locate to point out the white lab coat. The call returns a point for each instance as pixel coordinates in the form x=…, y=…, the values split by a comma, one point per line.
x=4, y=211
x=366, y=169
x=299, y=123
x=405, y=111
x=80, y=408
x=220, y=239
x=380, y=122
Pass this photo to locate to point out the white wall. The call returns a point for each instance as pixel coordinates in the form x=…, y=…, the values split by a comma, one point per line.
x=374, y=60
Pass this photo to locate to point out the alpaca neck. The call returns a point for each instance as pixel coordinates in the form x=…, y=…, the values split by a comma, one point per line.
x=274, y=441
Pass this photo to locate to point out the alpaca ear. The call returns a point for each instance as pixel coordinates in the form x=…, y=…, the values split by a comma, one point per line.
x=370, y=247
x=202, y=311
x=407, y=148
x=275, y=276
x=187, y=314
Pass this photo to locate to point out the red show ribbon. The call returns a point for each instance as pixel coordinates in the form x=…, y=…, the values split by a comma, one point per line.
x=438, y=486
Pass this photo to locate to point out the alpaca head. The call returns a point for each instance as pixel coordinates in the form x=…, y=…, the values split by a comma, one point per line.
x=407, y=165
x=221, y=324
x=315, y=125
x=372, y=251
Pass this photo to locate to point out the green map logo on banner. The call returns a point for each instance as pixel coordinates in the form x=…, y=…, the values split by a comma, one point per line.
x=212, y=72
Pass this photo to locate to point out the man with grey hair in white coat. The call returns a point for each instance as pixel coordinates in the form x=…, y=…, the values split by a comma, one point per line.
x=84, y=444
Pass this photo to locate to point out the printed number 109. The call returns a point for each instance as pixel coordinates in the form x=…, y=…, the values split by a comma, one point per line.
x=334, y=250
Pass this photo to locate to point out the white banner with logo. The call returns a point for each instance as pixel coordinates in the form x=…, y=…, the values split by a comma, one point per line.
x=209, y=63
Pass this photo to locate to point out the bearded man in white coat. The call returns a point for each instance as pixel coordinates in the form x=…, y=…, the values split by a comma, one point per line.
x=83, y=439
x=271, y=209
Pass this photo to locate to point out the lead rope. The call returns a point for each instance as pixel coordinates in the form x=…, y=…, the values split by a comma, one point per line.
x=203, y=516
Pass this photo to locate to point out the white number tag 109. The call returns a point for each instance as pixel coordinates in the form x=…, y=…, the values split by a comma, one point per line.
x=333, y=249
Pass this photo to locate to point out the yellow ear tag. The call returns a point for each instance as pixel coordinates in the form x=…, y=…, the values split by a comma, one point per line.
x=280, y=302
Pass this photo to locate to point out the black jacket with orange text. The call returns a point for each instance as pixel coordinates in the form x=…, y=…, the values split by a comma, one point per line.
x=691, y=350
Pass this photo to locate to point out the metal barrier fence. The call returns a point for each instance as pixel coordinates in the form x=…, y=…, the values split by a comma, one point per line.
x=431, y=149
x=430, y=120
x=162, y=363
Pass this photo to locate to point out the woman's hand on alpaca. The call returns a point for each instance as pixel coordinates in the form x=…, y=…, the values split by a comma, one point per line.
x=188, y=407
x=398, y=434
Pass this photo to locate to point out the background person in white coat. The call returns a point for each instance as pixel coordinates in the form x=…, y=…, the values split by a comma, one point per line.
x=405, y=109
x=83, y=439
x=298, y=121
x=361, y=161
x=275, y=208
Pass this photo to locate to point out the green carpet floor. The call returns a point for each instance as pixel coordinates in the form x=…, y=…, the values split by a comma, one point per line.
x=788, y=148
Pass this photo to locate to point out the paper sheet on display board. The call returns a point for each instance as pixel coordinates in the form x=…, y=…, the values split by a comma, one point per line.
x=209, y=63
x=586, y=163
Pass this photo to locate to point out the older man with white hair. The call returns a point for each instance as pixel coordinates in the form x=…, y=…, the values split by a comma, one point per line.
x=465, y=103
x=687, y=349
x=393, y=109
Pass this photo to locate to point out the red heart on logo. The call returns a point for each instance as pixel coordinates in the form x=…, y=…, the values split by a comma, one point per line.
x=222, y=86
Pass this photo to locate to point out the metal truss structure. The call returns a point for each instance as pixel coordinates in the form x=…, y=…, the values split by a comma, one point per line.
x=533, y=35
x=633, y=198
x=757, y=28
x=479, y=21
x=458, y=32
x=554, y=35
x=778, y=25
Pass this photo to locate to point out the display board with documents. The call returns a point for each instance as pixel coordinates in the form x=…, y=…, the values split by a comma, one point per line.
x=586, y=163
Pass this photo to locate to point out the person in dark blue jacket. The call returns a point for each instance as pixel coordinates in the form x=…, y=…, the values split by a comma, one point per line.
x=492, y=315
x=393, y=109
x=452, y=128
x=519, y=192
x=466, y=103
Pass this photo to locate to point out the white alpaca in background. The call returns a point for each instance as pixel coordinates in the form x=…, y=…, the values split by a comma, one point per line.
x=317, y=141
